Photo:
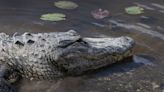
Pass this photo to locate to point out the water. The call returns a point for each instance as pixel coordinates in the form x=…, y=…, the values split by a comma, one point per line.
x=143, y=72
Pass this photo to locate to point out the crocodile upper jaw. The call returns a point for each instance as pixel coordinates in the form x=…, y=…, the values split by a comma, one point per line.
x=92, y=53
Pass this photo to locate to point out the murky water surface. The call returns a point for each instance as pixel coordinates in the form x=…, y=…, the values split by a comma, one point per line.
x=141, y=73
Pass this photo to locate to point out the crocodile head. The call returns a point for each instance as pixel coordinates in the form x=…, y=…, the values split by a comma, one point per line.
x=51, y=55
x=81, y=53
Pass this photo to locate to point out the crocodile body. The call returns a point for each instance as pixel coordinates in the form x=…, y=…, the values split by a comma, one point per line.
x=58, y=54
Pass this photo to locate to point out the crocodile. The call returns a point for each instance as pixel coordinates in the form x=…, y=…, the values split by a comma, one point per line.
x=48, y=56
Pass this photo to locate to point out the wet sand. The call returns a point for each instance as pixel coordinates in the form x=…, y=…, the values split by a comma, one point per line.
x=142, y=73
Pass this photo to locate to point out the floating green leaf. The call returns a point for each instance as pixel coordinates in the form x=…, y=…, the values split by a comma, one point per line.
x=53, y=17
x=66, y=4
x=134, y=10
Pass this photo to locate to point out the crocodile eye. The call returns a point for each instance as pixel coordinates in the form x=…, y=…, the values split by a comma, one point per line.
x=65, y=43
x=81, y=41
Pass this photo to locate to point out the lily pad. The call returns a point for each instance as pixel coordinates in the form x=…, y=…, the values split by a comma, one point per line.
x=100, y=13
x=53, y=17
x=66, y=4
x=134, y=10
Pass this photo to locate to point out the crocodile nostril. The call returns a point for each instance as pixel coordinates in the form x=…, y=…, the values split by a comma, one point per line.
x=129, y=41
x=73, y=33
x=127, y=38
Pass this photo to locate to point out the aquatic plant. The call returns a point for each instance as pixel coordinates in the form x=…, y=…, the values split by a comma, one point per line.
x=66, y=4
x=133, y=10
x=53, y=17
x=100, y=13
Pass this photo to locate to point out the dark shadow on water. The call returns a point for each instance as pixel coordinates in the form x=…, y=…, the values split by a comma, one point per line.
x=125, y=65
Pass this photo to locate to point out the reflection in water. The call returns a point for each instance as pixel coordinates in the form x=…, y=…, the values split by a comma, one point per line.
x=142, y=59
x=126, y=65
x=130, y=75
x=139, y=28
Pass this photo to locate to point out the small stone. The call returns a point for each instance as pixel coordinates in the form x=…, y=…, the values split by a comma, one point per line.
x=107, y=78
x=31, y=78
x=138, y=90
x=155, y=85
